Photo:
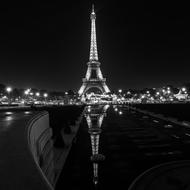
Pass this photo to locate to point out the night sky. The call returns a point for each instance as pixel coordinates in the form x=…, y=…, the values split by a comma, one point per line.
x=46, y=45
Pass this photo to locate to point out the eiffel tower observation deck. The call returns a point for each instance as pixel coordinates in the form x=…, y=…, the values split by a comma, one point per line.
x=94, y=79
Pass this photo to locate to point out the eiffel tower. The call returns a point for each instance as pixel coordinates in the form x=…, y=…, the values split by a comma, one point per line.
x=94, y=78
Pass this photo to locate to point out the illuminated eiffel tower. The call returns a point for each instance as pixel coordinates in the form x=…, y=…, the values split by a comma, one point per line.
x=94, y=78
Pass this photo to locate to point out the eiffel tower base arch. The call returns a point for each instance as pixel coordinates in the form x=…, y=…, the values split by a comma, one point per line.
x=101, y=86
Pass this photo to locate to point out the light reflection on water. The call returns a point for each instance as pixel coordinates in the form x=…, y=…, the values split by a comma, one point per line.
x=8, y=118
x=117, y=110
x=27, y=112
x=8, y=113
x=94, y=117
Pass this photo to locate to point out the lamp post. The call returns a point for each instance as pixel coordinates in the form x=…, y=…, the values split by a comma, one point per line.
x=37, y=96
x=45, y=96
x=9, y=89
x=26, y=93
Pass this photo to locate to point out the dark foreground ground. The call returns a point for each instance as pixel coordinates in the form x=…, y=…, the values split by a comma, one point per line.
x=14, y=144
x=131, y=143
x=128, y=144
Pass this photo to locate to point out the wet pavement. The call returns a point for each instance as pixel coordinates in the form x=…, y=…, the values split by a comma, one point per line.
x=18, y=168
x=115, y=145
x=8, y=119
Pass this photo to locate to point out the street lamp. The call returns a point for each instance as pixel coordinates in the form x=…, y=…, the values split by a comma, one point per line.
x=26, y=92
x=9, y=89
x=120, y=90
x=183, y=89
x=37, y=94
x=45, y=96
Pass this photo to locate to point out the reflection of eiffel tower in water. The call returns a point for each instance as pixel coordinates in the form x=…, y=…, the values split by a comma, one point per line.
x=94, y=117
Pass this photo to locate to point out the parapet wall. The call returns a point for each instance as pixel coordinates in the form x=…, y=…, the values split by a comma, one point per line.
x=25, y=143
x=41, y=145
x=29, y=158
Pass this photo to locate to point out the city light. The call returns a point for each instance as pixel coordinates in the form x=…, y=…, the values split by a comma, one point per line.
x=159, y=95
x=45, y=95
x=120, y=90
x=37, y=94
x=27, y=91
x=8, y=89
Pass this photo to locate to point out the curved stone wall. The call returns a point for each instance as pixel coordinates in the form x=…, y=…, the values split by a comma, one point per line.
x=25, y=151
x=28, y=157
x=41, y=146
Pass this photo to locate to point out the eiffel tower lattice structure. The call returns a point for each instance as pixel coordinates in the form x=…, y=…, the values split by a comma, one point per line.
x=94, y=78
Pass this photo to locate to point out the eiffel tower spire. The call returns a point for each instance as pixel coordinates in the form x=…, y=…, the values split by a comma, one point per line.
x=93, y=43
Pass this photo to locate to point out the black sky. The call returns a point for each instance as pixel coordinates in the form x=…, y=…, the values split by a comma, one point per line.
x=46, y=45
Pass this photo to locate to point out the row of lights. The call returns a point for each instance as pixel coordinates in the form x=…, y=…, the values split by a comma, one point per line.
x=183, y=89
x=163, y=94
x=27, y=92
